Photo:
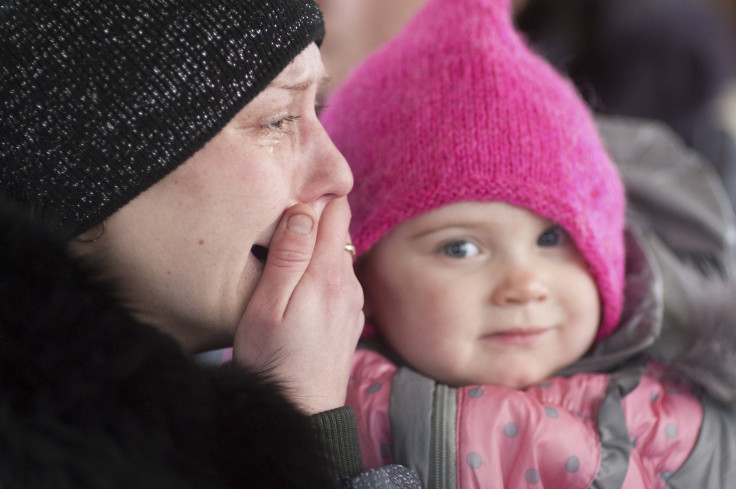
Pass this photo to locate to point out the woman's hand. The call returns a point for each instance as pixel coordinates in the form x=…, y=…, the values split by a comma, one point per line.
x=305, y=317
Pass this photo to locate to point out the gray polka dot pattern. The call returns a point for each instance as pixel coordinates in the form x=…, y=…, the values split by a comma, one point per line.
x=665, y=475
x=532, y=476
x=474, y=460
x=511, y=429
x=475, y=392
x=572, y=464
x=374, y=388
x=671, y=430
x=551, y=412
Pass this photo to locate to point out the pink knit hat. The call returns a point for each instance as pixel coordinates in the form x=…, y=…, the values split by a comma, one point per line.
x=457, y=108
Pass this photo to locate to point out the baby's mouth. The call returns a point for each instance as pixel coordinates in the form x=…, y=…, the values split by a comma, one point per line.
x=260, y=252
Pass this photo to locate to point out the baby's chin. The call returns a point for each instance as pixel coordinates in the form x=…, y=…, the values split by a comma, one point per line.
x=517, y=380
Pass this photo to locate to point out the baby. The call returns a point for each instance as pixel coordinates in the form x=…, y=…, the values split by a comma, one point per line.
x=489, y=226
x=487, y=217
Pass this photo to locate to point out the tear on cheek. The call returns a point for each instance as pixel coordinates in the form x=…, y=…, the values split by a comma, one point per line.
x=260, y=252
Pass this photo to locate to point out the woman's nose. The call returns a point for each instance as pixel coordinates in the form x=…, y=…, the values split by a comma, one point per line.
x=328, y=175
x=519, y=286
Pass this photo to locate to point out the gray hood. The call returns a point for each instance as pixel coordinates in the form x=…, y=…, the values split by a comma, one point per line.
x=680, y=297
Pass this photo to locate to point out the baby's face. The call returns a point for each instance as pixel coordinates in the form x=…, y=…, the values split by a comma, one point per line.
x=482, y=293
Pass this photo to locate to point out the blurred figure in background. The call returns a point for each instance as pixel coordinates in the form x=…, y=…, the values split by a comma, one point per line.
x=670, y=60
x=357, y=27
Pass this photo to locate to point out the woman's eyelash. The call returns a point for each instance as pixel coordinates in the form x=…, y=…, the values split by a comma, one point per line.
x=281, y=124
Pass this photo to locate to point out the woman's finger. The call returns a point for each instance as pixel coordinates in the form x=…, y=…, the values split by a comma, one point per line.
x=289, y=256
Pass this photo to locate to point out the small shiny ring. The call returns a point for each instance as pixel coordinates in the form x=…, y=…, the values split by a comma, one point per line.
x=350, y=249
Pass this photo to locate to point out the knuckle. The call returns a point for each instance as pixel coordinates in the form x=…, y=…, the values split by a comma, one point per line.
x=267, y=318
x=264, y=311
x=357, y=294
x=271, y=321
x=288, y=258
x=345, y=289
x=334, y=286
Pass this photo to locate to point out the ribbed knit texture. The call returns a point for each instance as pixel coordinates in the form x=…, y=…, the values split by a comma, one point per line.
x=338, y=435
x=457, y=108
x=101, y=99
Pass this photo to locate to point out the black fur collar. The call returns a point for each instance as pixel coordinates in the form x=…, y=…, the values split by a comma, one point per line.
x=91, y=398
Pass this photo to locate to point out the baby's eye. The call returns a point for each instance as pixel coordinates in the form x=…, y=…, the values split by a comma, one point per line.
x=460, y=249
x=554, y=236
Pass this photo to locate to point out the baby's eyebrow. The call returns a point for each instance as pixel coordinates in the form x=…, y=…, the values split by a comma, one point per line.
x=453, y=226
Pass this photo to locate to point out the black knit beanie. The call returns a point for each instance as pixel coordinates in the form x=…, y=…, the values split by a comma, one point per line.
x=100, y=99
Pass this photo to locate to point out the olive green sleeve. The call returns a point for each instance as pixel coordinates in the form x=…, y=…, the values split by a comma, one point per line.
x=337, y=433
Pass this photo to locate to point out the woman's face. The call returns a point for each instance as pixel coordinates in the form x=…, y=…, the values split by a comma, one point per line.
x=182, y=249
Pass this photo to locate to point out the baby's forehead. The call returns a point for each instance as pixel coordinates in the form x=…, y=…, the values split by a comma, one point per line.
x=476, y=213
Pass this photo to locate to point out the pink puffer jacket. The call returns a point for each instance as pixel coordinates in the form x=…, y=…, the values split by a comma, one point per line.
x=565, y=432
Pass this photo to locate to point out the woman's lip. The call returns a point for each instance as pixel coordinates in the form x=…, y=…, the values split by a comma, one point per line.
x=516, y=336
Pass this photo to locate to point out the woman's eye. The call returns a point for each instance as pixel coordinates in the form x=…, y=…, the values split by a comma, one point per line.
x=283, y=123
x=554, y=236
x=460, y=249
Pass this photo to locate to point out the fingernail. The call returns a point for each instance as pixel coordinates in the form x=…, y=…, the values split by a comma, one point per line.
x=300, y=224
